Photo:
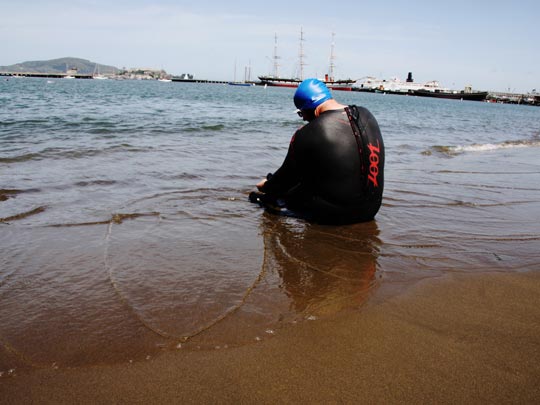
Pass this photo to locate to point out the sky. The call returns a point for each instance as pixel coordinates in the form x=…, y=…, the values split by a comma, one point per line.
x=491, y=45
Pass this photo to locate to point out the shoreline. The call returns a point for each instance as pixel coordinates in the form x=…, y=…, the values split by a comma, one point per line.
x=424, y=345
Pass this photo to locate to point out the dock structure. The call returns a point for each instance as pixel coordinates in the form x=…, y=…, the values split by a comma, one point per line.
x=182, y=80
x=53, y=75
x=514, y=98
x=45, y=75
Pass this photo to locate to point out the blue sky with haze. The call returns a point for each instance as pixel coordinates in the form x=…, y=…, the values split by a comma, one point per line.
x=492, y=45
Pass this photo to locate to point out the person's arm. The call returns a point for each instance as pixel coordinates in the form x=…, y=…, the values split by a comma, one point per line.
x=285, y=178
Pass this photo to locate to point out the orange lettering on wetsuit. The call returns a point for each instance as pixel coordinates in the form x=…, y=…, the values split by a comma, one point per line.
x=373, y=163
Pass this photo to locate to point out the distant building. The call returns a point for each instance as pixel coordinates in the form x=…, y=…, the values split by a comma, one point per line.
x=142, y=73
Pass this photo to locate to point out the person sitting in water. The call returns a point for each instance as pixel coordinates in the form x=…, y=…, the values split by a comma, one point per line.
x=334, y=169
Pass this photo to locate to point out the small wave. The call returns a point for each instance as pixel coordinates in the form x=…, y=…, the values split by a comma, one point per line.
x=102, y=131
x=20, y=158
x=289, y=123
x=60, y=153
x=205, y=128
x=199, y=194
x=95, y=183
x=481, y=147
x=182, y=176
x=30, y=122
x=23, y=215
x=495, y=146
x=10, y=193
x=217, y=127
x=115, y=219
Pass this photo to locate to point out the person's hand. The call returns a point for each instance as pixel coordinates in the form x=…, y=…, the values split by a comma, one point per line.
x=260, y=184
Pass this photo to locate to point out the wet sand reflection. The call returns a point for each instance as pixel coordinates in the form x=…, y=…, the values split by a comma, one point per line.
x=322, y=269
x=119, y=291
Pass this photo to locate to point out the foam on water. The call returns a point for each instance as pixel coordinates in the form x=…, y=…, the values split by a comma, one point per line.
x=485, y=147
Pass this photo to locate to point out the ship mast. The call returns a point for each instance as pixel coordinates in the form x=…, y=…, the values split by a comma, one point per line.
x=275, y=58
x=301, y=54
x=247, y=73
x=332, y=57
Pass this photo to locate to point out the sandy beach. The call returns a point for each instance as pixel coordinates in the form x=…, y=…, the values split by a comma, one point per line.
x=457, y=339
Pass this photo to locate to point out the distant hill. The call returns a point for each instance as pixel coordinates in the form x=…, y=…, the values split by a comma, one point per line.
x=60, y=66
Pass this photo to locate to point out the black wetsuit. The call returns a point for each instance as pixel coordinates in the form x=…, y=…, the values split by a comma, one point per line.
x=333, y=171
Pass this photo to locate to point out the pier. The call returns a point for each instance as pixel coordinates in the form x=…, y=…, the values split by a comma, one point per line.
x=182, y=80
x=89, y=76
x=513, y=98
x=45, y=75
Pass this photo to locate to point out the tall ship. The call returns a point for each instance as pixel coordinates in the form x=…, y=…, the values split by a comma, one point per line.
x=329, y=80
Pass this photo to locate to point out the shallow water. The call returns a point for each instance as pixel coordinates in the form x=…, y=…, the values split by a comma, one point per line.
x=125, y=228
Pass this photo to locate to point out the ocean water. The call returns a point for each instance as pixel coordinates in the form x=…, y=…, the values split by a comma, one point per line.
x=125, y=229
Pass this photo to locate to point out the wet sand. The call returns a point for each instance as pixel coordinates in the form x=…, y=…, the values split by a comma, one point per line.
x=461, y=339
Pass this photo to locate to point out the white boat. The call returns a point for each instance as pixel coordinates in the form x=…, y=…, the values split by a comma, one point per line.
x=97, y=75
x=70, y=73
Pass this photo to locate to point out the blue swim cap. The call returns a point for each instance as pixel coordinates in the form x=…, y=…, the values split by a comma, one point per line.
x=311, y=93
